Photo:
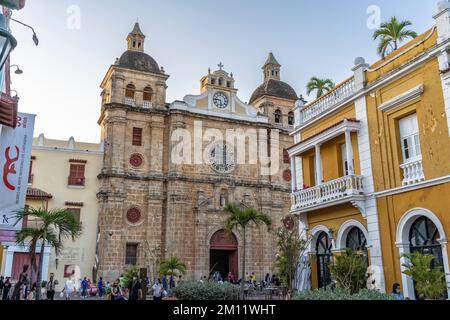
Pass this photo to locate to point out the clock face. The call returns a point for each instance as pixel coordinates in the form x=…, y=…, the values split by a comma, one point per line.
x=220, y=100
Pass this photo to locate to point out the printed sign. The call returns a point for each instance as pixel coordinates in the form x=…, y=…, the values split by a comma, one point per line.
x=15, y=156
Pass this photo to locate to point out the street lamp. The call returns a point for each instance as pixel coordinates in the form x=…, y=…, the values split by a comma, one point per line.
x=35, y=38
x=18, y=70
x=7, y=41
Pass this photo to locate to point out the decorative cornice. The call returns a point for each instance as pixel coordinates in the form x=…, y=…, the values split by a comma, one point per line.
x=74, y=204
x=80, y=161
x=402, y=98
x=209, y=180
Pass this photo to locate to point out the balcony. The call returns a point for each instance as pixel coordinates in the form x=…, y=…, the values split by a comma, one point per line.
x=346, y=189
x=325, y=103
x=412, y=172
x=76, y=182
x=147, y=104
x=130, y=102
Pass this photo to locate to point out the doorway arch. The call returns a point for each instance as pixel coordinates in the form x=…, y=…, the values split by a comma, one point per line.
x=223, y=255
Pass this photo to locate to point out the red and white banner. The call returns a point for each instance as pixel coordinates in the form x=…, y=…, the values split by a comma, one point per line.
x=15, y=156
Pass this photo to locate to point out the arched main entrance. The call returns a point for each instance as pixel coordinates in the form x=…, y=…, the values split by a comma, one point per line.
x=223, y=254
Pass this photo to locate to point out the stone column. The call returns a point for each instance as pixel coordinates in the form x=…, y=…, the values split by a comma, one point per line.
x=319, y=173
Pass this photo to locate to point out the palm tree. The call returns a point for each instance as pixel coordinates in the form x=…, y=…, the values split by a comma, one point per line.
x=171, y=267
x=241, y=219
x=319, y=85
x=53, y=228
x=391, y=34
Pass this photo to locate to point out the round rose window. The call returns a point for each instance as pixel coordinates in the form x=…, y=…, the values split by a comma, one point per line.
x=136, y=160
x=133, y=215
x=287, y=175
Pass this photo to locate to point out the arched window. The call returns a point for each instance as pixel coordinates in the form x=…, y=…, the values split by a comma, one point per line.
x=356, y=240
x=130, y=91
x=423, y=238
x=148, y=94
x=324, y=257
x=278, y=116
x=291, y=118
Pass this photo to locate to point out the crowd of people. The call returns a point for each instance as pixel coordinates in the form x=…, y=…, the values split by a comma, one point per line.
x=135, y=289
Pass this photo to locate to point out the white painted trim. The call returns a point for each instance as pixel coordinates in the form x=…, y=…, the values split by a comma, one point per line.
x=402, y=98
x=402, y=242
x=325, y=136
x=178, y=105
x=420, y=185
x=341, y=238
x=369, y=207
x=315, y=233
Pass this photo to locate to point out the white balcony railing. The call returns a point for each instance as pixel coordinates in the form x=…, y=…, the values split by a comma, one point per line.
x=147, y=104
x=412, y=172
x=130, y=102
x=328, y=192
x=326, y=102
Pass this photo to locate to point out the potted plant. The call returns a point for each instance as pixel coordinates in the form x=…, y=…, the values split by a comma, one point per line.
x=430, y=282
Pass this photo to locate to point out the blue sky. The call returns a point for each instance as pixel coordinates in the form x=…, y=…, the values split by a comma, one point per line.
x=309, y=38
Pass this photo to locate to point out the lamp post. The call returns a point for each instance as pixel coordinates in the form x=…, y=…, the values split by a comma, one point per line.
x=7, y=41
x=18, y=70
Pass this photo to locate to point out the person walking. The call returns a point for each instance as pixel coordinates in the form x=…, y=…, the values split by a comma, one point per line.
x=100, y=287
x=69, y=287
x=22, y=283
x=164, y=282
x=134, y=288
x=6, y=288
x=51, y=287
x=84, y=288
x=158, y=291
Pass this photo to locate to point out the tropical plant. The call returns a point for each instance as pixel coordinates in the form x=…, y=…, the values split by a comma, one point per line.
x=195, y=291
x=429, y=282
x=350, y=271
x=340, y=294
x=290, y=248
x=53, y=228
x=241, y=219
x=321, y=86
x=391, y=34
x=171, y=267
x=129, y=275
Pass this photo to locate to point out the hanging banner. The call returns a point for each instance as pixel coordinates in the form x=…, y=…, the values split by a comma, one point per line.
x=15, y=157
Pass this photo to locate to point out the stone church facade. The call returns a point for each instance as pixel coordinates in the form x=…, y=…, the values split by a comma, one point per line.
x=153, y=207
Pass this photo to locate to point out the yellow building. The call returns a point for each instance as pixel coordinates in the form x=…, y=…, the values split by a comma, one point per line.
x=63, y=175
x=371, y=161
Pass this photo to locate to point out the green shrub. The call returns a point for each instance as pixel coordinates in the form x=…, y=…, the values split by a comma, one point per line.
x=339, y=294
x=129, y=274
x=206, y=291
x=430, y=282
x=350, y=271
